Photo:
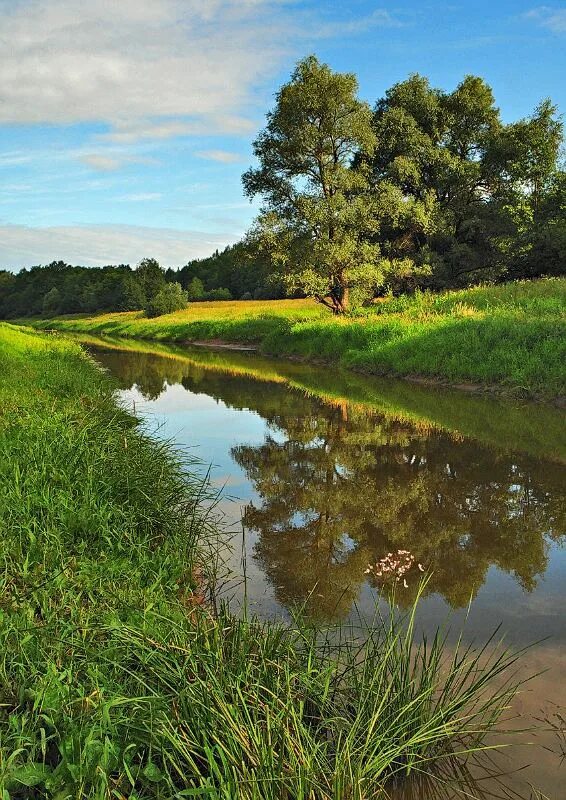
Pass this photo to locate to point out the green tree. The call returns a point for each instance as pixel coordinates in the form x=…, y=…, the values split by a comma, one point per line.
x=540, y=247
x=52, y=302
x=7, y=286
x=195, y=290
x=530, y=148
x=130, y=295
x=313, y=198
x=151, y=277
x=171, y=297
x=456, y=186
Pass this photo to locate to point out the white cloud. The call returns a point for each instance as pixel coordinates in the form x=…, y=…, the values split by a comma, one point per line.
x=142, y=197
x=380, y=18
x=552, y=18
x=152, y=70
x=223, y=156
x=15, y=158
x=109, y=163
x=102, y=163
x=134, y=131
x=96, y=245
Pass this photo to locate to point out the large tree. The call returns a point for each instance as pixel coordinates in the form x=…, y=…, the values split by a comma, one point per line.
x=473, y=183
x=317, y=215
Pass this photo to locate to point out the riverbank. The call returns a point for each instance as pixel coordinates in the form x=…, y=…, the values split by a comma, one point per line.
x=511, y=338
x=117, y=680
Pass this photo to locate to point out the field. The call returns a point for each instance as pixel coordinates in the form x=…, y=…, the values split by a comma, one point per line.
x=511, y=337
x=119, y=677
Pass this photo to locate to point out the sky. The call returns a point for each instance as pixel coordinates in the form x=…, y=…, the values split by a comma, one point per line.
x=125, y=126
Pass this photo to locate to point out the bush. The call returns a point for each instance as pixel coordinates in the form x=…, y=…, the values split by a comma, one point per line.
x=195, y=289
x=172, y=297
x=218, y=294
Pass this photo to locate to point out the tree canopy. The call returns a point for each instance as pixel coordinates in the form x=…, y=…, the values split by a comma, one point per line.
x=313, y=194
x=432, y=189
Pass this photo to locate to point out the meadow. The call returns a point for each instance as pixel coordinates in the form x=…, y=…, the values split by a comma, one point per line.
x=120, y=676
x=510, y=337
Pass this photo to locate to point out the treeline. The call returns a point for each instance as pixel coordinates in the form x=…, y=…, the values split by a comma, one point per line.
x=241, y=271
x=428, y=189
x=60, y=288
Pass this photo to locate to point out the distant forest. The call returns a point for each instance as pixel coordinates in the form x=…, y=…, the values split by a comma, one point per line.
x=429, y=189
x=60, y=288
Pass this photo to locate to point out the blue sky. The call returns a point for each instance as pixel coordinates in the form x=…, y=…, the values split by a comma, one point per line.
x=125, y=126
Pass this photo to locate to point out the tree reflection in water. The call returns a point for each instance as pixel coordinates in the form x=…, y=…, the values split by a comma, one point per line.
x=345, y=487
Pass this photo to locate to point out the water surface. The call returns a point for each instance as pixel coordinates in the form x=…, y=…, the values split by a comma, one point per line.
x=326, y=473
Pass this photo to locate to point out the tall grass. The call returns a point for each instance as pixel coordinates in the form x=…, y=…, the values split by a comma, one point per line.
x=512, y=337
x=116, y=681
x=223, y=708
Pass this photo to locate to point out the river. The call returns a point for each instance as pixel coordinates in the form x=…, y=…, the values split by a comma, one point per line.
x=323, y=474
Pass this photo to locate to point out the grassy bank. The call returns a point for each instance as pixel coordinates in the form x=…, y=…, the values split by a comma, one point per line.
x=116, y=681
x=512, y=337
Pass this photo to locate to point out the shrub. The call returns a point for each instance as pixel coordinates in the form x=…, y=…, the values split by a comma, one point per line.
x=218, y=294
x=171, y=297
x=195, y=289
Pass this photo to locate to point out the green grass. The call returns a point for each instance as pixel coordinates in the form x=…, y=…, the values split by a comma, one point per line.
x=117, y=682
x=512, y=337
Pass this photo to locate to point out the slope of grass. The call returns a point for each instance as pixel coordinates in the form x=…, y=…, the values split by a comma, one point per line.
x=512, y=336
x=117, y=682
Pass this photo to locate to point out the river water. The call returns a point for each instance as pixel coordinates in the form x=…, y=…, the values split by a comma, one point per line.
x=324, y=473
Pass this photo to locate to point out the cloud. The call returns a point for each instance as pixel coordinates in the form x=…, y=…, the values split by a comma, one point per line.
x=380, y=18
x=109, y=163
x=223, y=156
x=103, y=163
x=151, y=70
x=146, y=129
x=97, y=245
x=552, y=18
x=14, y=159
x=142, y=197
x=170, y=65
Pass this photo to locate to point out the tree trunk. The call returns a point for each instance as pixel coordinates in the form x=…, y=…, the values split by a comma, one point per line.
x=342, y=294
x=338, y=298
x=345, y=298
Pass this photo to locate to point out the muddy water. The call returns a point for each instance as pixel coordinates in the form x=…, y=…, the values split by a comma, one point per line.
x=327, y=473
